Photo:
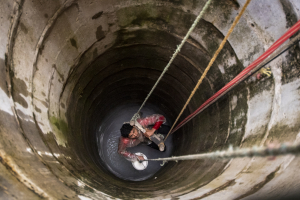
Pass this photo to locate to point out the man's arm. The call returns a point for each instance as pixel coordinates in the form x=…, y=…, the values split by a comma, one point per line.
x=123, y=144
x=155, y=119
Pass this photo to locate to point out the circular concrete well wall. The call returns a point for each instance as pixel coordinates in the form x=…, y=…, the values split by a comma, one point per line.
x=66, y=65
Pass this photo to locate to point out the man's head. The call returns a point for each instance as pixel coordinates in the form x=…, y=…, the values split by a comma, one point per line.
x=129, y=131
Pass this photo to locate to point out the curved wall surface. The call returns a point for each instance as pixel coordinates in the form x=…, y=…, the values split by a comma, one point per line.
x=66, y=64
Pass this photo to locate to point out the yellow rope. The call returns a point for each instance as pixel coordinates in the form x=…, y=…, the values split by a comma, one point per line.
x=211, y=62
x=176, y=52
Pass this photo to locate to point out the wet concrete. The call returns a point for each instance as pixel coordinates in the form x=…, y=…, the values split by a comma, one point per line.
x=108, y=136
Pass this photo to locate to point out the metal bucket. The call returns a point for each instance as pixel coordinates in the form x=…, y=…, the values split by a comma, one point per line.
x=140, y=165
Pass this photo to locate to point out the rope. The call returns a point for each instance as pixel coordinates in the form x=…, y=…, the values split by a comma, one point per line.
x=177, y=50
x=252, y=68
x=211, y=62
x=254, y=151
x=282, y=149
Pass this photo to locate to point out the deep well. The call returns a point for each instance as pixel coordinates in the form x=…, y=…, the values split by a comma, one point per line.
x=66, y=64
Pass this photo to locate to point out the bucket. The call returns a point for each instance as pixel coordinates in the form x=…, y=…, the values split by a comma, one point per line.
x=140, y=165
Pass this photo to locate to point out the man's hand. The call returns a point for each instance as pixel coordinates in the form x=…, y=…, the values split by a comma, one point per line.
x=149, y=132
x=140, y=158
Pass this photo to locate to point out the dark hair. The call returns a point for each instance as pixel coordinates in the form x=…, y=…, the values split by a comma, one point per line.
x=125, y=130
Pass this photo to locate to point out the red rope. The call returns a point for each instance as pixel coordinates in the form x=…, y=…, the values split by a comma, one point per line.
x=241, y=75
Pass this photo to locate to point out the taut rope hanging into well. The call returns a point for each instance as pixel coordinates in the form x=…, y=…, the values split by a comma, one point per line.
x=176, y=52
x=248, y=71
x=211, y=62
x=281, y=149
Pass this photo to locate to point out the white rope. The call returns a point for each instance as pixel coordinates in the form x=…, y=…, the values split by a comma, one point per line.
x=177, y=50
x=236, y=20
x=281, y=149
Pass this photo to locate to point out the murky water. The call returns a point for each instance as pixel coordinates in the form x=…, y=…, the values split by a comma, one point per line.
x=108, y=138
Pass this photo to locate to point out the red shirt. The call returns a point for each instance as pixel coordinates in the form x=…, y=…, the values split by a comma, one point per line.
x=155, y=119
